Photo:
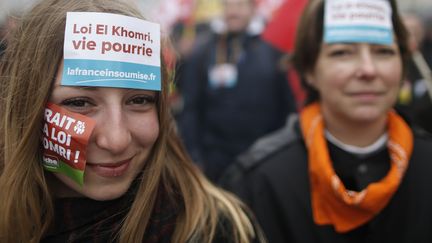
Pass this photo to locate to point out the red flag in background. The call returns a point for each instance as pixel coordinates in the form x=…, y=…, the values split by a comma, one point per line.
x=281, y=32
x=281, y=29
x=266, y=8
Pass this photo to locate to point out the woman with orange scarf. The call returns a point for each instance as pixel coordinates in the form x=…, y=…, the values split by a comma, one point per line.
x=349, y=168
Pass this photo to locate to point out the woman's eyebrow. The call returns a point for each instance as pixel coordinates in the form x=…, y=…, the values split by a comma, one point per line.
x=86, y=87
x=77, y=87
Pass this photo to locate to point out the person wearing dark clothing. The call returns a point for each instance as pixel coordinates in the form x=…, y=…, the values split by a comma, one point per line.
x=272, y=178
x=73, y=224
x=234, y=92
x=100, y=161
x=349, y=168
x=414, y=100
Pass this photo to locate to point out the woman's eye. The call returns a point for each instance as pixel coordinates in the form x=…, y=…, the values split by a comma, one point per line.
x=386, y=51
x=76, y=103
x=340, y=52
x=141, y=100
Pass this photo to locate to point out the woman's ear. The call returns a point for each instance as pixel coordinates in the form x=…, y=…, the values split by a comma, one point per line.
x=310, y=79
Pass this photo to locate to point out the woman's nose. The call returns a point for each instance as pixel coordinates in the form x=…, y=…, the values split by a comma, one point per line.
x=367, y=65
x=112, y=133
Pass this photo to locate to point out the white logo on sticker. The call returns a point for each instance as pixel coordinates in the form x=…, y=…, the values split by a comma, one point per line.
x=79, y=128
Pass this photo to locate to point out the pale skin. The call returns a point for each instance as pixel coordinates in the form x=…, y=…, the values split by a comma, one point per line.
x=358, y=84
x=126, y=129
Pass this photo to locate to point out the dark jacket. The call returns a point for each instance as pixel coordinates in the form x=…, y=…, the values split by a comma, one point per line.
x=83, y=220
x=272, y=178
x=218, y=123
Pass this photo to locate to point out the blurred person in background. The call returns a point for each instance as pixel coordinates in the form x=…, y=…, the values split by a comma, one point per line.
x=191, y=26
x=427, y=42
x=6, y=27
x=234, y=89
x=349, y=168
x=414, y=99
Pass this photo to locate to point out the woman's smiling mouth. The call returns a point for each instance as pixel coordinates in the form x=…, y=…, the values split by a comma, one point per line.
x=110, y=169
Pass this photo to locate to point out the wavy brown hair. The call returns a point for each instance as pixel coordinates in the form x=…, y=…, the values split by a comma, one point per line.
x=30, y=65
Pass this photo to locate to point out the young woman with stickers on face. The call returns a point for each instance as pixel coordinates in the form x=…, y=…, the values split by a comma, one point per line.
x=349, y=168
x=92, y=155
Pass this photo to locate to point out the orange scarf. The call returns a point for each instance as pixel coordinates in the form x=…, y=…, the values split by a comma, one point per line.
x=332, y=203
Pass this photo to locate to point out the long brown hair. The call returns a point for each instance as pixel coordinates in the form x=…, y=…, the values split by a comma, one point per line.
x=26, y=208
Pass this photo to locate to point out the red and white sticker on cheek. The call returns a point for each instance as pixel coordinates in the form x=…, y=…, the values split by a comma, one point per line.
x=65, y=136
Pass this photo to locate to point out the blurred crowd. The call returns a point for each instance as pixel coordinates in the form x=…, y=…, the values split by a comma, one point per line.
x=234, y=82
x=218, y=123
